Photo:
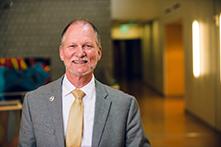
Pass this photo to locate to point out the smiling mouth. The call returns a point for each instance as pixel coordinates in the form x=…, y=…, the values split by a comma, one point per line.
x=79, y=61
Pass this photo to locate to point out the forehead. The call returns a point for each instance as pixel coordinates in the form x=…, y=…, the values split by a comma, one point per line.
x=80, y=31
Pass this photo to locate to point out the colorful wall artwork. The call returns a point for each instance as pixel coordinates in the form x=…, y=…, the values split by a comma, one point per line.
x=19, y=75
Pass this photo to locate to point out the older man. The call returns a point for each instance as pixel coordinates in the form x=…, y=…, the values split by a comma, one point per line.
x=77, y=110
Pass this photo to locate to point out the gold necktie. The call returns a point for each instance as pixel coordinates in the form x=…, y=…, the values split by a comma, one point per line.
x=75, y=120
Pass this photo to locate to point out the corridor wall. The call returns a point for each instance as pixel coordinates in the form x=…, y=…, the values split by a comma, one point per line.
x=203, y=94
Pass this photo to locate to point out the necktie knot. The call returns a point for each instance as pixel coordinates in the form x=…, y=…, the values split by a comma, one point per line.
x=78, y=94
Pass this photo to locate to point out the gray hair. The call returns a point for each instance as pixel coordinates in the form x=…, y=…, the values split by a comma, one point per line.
x=83, y=21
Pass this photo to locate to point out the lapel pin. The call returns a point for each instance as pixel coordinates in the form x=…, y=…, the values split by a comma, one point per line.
x=51, y=99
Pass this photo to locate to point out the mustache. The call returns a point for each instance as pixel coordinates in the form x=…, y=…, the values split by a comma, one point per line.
x=80, y=60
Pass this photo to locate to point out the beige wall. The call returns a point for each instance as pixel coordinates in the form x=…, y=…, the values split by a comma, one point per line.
x=134, y=9
x=217, y=10
x=147, y=54
x=152, y=56
x=201, y=92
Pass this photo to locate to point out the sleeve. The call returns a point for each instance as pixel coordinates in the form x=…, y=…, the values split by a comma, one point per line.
x=134, y=132
x=26, y=133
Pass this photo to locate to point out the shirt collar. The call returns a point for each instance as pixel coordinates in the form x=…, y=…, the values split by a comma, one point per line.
x=68, y=87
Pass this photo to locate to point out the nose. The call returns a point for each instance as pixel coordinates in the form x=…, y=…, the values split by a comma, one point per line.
x=80, y=52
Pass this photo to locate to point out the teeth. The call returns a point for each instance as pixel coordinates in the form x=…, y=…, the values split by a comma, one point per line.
x=80, y=61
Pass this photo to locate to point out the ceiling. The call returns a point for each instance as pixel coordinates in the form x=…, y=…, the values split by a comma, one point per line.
x=139, y=9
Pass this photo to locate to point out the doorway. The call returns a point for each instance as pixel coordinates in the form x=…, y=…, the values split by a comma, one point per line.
x=127, y=59
x=174, y=60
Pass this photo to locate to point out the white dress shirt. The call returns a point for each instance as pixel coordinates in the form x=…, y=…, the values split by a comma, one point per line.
x=89, y=107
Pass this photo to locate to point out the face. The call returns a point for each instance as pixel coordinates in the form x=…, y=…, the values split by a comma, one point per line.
x=79, y=50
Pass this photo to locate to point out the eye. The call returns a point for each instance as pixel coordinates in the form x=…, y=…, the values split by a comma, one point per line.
x=72, y=46
x=88, y=46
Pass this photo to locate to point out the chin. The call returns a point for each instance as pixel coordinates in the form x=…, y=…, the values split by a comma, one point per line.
x=82, y=74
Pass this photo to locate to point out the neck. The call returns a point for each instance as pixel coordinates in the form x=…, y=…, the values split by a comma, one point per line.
x=79, y=81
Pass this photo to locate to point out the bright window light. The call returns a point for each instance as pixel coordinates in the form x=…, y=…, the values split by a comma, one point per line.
x=196, y=48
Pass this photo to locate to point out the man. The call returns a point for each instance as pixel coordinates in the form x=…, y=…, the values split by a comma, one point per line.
x=106, y=117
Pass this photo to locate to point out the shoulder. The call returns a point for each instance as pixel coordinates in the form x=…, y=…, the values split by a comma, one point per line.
x=116, y=95
x=47, y=89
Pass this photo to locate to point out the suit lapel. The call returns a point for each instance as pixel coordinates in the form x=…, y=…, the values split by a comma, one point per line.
x=102, y=107
x=55, y=110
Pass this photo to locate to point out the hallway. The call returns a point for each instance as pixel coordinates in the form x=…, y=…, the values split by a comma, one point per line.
x=166, y=122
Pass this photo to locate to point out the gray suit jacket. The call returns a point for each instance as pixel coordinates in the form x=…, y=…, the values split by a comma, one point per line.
x=117, y=121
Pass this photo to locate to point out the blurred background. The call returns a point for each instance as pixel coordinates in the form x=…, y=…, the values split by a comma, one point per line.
x=167, y=53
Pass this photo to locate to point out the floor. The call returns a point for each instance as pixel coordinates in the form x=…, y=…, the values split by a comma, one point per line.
x=166, y=122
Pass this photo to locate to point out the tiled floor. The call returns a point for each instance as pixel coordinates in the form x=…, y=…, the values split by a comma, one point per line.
x=166, y=122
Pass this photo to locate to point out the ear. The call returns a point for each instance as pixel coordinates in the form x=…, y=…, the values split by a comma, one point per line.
x=61, y=54
x=99, y=54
